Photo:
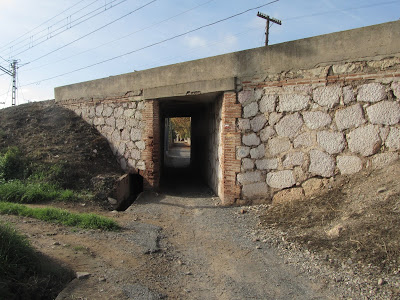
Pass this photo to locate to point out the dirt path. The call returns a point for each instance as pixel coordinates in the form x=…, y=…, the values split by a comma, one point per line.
x=220, y=256
x=172, y=247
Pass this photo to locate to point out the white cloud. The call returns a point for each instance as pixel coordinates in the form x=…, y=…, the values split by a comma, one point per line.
x=255, y=23
x=347, y=13
x=4, y=3
x=195, y=41
x=228, y=43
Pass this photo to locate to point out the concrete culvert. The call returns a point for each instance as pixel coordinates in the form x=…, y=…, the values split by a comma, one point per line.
x=127, y=188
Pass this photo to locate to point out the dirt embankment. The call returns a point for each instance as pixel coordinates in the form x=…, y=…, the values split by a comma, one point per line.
x=354, y=226
x=49, y=134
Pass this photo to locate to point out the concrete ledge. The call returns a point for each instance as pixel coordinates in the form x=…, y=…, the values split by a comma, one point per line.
x=191, y=88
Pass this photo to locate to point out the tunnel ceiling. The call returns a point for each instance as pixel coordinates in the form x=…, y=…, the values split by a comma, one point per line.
x=185, y=106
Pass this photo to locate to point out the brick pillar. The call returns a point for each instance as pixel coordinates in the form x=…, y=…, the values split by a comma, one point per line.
x=230, y=139
x=151, y=154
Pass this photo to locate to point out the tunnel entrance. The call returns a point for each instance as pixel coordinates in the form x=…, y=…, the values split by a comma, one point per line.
x=177, y=141
x=189, y=142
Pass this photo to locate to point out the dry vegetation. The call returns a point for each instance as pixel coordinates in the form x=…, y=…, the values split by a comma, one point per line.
x=357, y=220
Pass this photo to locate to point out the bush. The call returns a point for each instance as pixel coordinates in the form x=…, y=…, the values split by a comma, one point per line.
x=54, y=173
x=12, y=165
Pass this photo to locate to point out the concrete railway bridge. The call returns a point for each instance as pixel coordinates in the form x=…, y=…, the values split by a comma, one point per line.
x=274, y=122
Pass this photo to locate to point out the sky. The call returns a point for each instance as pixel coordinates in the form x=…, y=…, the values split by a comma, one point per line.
x=62, y=42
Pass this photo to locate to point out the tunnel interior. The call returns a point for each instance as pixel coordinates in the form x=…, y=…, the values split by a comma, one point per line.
x=191, y=166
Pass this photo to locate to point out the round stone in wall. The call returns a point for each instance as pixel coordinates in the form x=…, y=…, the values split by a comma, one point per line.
x=349, y=164
x=290, y=125
x=321, y=163
x=364, y=140
x=281, y=179
x=251, y=139
x=371, y=92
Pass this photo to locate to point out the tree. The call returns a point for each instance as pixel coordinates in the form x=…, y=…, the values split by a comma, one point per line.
x=181, y=126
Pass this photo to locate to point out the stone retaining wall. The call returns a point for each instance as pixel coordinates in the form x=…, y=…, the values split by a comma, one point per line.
x=301, y=127
x=121, y=122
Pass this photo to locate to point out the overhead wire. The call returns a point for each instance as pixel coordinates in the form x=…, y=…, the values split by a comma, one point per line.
x=173, y=58
x=20, y=90
x=341, y=10
x=120, y=38
x=66, y=27
x=4, y=59
x=52, y=18
x=86, y=35
x=52, y=34
x=154, y=44
x=171, y=38
x=5, y=99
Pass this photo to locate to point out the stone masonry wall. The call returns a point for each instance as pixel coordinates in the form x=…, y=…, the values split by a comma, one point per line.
x=121, y=122
x=300, y=128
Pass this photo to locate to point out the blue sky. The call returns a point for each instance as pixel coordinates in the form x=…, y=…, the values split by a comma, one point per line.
x=31, y=30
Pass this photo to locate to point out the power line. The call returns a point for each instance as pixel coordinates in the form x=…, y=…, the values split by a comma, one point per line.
x=160, y=62
x=13, y=74
x=45, y=29
x=86, y=35
x=4, y=59
x=6, y=71
x=341, y=10
x=5, y=99
x=154, y=44
x=293, y=18
x=49, y=21
x=123, y=37
x=64, y=28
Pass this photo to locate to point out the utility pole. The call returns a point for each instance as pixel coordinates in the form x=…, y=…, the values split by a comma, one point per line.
x=13, y=74
x=269, y=19
x=14, y=78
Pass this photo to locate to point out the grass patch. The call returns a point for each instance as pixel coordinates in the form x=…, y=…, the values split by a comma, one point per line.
x=20, y=192
x=59, y=216
x=22, y=181
x=25, y=274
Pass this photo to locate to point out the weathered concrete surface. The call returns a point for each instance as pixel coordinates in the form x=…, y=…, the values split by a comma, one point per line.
x=300, y=54
x=184, y=89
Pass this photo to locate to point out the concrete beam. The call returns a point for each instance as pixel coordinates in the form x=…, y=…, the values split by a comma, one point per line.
x=190, y=88
x=365, y=43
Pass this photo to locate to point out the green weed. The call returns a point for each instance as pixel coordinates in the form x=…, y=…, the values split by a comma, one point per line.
x=55, y=215
x=20, y=192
